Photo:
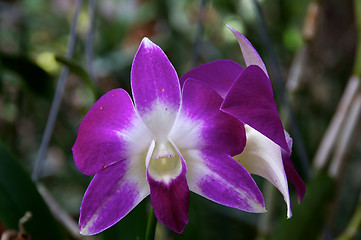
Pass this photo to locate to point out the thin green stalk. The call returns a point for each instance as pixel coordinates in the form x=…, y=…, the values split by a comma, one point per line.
x=152, y=223
x=57, y=97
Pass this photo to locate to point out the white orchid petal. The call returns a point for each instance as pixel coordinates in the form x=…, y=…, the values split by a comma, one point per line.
x=263, y=157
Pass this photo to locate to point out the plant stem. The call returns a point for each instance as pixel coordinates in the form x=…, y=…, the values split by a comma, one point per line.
x=60, y=214
x=152, y=223
x=346, y=103
x=347, y=139
x=57, y=97
x=331, y=135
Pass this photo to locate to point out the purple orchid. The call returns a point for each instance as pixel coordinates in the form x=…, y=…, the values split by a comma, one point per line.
x=168, y=143
x=248, y=96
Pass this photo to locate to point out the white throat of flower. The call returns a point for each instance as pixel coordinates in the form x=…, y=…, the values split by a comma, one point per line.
x=164, y=163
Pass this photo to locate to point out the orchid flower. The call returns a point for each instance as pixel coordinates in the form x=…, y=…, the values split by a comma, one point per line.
x=165, y=144
x=247, y=95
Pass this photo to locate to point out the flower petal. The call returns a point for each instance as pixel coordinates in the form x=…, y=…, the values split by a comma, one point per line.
x=218, y=75
x=250, y=55
x=170, y=199
x=155, y=87
x=201, y=125
x=112, y=194
x=218, y=177
x=291, y=172
x=250, y=99
x=109, y=132
x=263, y=157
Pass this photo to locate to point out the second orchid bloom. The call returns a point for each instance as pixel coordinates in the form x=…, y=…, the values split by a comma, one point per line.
x=181, y=135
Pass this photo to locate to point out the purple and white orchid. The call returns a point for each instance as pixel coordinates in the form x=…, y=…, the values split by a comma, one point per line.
x=248, y=96
x=170, y=141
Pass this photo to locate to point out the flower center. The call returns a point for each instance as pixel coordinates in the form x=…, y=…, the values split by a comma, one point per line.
x=164, y=163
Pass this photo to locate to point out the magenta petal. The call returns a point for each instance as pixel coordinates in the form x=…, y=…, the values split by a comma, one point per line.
x=218, y=75
x=111, y=195
x=170, y=200
x=218, y=177
x=154, y=79
x=294, y=178
x=291, y=172
x=98, y=144
x=215, y=129
x=251, y=100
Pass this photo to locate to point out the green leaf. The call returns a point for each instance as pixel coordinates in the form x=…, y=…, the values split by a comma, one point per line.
x=33, y=76
x=18, y=195
x=308, y=217
x=80, y=72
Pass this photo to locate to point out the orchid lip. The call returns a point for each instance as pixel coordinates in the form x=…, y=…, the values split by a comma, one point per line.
x=164, y=163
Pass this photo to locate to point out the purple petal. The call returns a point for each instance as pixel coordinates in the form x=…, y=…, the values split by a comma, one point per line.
x=291, y=172
x=294, y=178
x=155, y=86
x=218, y=177
x=170, y=199
x=250, y=55
x=112, y=194
x=218, y=75
x=250, y=99
x=103, y=135
x=202, y=125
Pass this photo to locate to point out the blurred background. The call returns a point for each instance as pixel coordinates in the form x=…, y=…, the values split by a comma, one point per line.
x=60, y=56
